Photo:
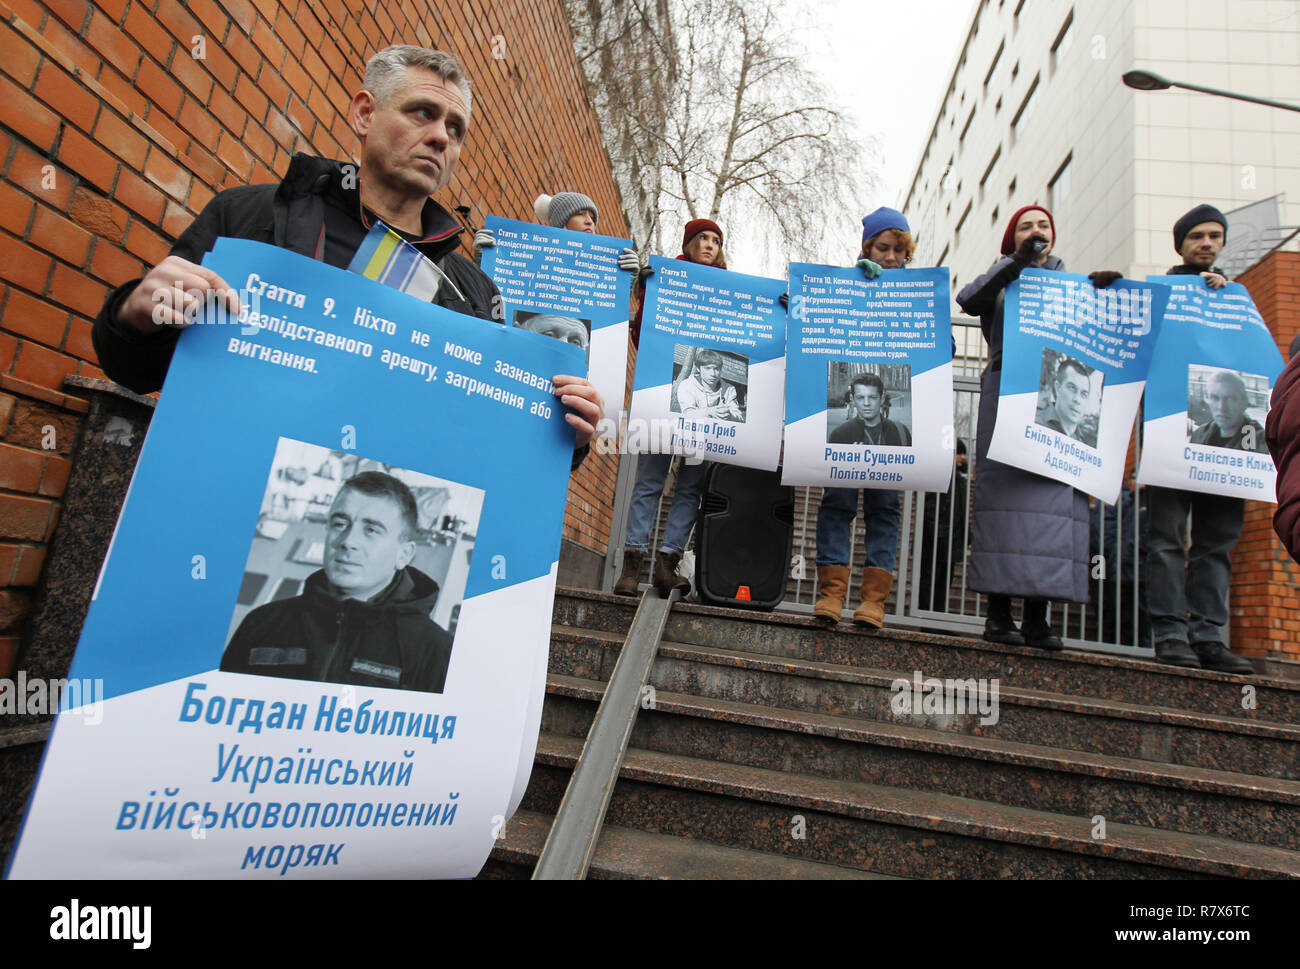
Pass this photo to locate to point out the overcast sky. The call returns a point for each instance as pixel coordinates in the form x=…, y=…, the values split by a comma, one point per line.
x=886, y=66
x=888, y=63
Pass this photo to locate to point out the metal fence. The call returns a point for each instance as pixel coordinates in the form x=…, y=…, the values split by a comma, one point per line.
x=931, y=590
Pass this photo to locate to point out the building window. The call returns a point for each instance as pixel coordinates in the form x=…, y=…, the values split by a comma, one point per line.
x=965, y=128
x=1025, y=110
x=1063, y=40
x=993, y=66
x=1015, y=70
x=988, y=171
x=956, y=235
x=1015, y=17
x=1011, y=189
x=998, y=107
x=994, y=219
x=942, y=256
x=1058, y=189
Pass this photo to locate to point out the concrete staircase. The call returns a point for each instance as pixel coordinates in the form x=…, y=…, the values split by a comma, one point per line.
x=770, y=749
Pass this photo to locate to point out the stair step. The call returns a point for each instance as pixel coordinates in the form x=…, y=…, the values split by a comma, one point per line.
x=1072, y=672
x=887, y=829
x=629, y=853
x=1026, y=715
x=1077, y=783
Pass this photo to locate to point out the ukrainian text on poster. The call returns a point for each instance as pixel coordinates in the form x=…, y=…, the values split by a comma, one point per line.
x=869, y=385
x=1074, y=364
x=567, y=285
x=324, y=602
x=1208, y=394
x=710, y=370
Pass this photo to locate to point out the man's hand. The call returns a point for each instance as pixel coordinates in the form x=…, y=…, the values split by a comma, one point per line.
x=1214, y=280
x=629, y=261
x=586, y=406
x=1104, y=277
x=484, y=239
x=869, y=269
x=1030, y=249
x=171, y=293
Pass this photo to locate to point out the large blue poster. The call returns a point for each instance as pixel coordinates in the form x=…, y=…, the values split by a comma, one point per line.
x=869, y=392
x=710, y=370
x=320, y=619
x=567, y=285
x=1208, y=394
x=1074, y=364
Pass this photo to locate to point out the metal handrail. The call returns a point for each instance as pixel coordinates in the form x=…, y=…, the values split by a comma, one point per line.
x=572, y=839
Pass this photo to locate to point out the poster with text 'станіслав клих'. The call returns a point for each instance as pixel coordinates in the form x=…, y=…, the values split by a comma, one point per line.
x=326, y=599
x=869, y=386
x=710, y=370
x=567, y=285
x=1074, y=364
x=1208, y=394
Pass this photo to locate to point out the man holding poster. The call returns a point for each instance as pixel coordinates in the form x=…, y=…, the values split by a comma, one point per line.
x=412, y=118
x=1187, y=587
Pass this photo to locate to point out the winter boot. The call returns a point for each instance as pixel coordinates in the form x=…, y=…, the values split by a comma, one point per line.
x=832, y=587
x=999, y=627
x=1035, y=628
x=633, y=559
x=666, y=578
x=876, y=584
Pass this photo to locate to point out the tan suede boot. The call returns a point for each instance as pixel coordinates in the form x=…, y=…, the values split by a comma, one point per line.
x=633, y=559
x=876, y=584
x=832, y=587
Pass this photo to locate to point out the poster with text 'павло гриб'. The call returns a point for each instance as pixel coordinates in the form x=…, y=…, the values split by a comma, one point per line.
x=1208, y=394
x=710, y=371
x=567, y=285
x=869, y=386
x=1074, y=362
x=331, y=583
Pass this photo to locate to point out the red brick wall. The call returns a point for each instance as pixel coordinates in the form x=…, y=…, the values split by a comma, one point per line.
x=1265, y=579
x=114, y=134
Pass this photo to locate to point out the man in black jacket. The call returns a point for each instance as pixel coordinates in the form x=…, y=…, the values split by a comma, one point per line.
x=364, y=618
x=1187, y=588
x=412, y=118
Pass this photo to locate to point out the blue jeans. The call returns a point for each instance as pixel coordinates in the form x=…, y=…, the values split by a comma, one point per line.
x=1201, y=591
x=651, y=472
x=880, y=515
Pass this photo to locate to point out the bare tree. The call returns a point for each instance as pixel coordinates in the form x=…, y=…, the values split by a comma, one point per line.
x=711, y=108
x=628, y=56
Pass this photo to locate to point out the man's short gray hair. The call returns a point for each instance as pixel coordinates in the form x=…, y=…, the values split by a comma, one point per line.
x=386, y=71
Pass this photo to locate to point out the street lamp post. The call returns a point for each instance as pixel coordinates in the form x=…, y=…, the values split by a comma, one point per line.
x=1150, y=81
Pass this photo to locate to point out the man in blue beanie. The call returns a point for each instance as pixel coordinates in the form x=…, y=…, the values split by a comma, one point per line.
x=1187, y=587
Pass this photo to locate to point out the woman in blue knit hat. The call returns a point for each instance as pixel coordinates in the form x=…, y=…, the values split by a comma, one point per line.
x=887, y=243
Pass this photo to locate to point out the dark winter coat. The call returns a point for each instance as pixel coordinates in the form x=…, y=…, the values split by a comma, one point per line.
x=1282, y=432
x=316, y=212
x=314, y=636
x=1029, y=534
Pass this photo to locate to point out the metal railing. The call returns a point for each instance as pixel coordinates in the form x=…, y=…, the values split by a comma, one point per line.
x=1112, y=621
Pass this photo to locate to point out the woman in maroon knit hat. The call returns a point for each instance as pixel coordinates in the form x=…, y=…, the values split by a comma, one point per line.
x=1029, y=534
x=701, y=243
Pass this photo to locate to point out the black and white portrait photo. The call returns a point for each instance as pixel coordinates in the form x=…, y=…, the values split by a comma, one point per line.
x=1226, y=408
x=356, y=573
x=1069, y=397
x=710, y=384
x=570, y=329
x=869, y=403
